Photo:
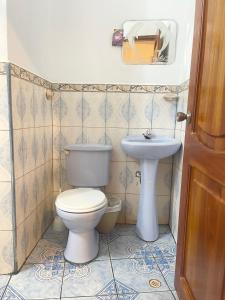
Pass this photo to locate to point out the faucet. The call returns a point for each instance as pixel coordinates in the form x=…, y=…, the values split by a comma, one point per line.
x=147, y=135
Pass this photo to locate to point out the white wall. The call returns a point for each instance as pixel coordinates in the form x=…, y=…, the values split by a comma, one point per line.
x=3, y=32
x=70, y=41
x=29, y=38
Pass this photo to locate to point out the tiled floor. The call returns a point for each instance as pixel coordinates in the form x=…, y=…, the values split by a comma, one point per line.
x=123, y=269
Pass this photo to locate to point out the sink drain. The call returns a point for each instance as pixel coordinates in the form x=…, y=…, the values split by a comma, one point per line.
x=154, y=283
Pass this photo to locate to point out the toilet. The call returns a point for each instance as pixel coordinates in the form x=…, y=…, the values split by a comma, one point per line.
x=81, y=208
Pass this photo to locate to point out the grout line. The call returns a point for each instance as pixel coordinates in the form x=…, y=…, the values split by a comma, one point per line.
x=112, y=270
x=106, y=105
x=36, y=127
x=64, y=266
x=37, y=167
x=162, y=272
x=152, y=112
x=108, y=127
x=7, y=284
x=126, y=166
x=173, y=294
x=82, y=117
x=13, y=179
x=141, y=258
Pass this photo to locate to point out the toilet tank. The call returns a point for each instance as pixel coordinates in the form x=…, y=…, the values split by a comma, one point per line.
x=87, y=165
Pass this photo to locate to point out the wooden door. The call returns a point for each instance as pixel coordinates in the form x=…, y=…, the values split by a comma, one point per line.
x=200, y=269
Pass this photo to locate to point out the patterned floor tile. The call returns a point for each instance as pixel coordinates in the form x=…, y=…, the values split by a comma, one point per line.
x=38, y=281
x=41, y=277
x=46, y=252
x=3, y=282
x=108, y=238
x=125, y=229
x=57, y=238
x=164, y=229
x=103, y=253
x=12, y=294
x=128, y=229
x=167, y=267
x=128, y=247
x=111, y=297
x=164, y=246
x=57, y=226
x=93, y=279
x=136, y=274
x=57, y=233
x=127, y=296
x=148, y=296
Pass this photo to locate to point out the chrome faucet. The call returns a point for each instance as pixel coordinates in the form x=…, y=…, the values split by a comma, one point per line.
x=147, y=135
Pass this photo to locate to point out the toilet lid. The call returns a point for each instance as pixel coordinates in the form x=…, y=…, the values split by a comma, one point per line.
x=81, y=200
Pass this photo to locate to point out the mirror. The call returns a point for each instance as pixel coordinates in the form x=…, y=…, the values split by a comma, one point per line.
x=148, y=42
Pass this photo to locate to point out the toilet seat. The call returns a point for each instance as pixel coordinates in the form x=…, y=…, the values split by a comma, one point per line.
x=81, y=200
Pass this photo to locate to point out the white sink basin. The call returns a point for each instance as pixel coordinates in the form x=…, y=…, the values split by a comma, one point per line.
x=157, y=147
x=149, y=152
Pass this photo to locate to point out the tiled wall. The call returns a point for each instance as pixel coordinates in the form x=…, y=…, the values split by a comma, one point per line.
x=32, y=139
x=106, y=116
x=25, y=165
x=7, y=224
x=34, y=130
x=177, y=166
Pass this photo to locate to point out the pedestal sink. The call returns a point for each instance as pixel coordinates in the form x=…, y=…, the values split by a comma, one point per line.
x=149, y=152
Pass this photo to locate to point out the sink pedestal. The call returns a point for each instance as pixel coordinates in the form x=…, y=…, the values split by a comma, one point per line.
x=147, y=220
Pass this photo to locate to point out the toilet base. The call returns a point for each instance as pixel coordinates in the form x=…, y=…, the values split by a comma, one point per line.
x=82, y=247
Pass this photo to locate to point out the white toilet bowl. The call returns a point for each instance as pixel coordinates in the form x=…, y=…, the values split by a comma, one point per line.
x=81, y=210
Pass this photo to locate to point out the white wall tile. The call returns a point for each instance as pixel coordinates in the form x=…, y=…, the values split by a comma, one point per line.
x=29, y=142
x=39, y=105
x=56, y=108
x=164, y=113
x=163, y=208
x=30, y=193
x=70, y=135
x=20, y=200
x=131, y=208
x=21, y=244
x=6, y=202
x=117, y=183
x=94, y=135
x=71, y=109
x=4, y=107
x=39, y=142
x=94, y=109
x=18, y=152
x=18, y=106
x=117, y=110
x=163, y=179
x=56, y=175
x=140, y=111
x=26, y=97
x=114, y=137
x=56, y=142
x=6, y=252
x=5, y=156
x=133, y=183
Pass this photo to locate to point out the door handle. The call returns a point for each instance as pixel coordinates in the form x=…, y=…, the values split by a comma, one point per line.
x=180, y=117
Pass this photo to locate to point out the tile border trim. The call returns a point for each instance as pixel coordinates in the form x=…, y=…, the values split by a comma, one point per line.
x=28, y=76
x=69, y=87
